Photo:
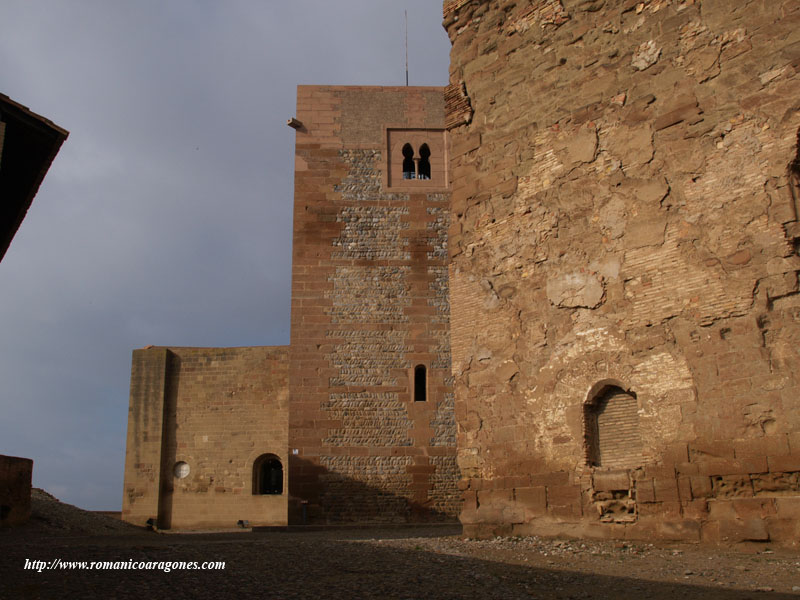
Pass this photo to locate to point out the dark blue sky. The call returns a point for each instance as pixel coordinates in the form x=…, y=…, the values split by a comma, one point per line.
x=166, y=217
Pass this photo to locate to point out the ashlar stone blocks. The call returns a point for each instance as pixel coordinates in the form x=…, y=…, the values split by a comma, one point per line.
x=624, y=215
x=200, y=419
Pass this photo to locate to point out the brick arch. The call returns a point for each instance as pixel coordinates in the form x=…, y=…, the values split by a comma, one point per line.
x=600, y=385
x=612, y=434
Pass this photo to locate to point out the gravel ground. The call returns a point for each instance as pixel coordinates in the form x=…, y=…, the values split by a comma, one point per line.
x=51, y=517
x=407, y=563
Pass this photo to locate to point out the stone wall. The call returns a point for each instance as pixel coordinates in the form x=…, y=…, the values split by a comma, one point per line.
x=15, y=490
x=199, y=420
x=369, y=305
x=624, y=228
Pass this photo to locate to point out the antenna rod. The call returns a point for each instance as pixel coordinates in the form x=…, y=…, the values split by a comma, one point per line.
x=406, y=47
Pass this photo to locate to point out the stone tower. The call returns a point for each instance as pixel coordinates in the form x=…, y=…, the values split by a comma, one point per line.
x=371, y=423
x=625, y=228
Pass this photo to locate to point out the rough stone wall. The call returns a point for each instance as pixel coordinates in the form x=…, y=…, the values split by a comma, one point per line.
x=217, y=410
x=624, y=215
x=15, y=490
x=369, y=303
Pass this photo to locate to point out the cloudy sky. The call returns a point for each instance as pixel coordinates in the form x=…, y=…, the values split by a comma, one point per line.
x=166, y=217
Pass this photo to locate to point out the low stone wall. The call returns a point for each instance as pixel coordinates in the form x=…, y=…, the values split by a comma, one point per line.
x=201, y=423
x=15, y=490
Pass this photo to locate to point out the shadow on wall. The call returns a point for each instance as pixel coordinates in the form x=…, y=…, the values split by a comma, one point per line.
x=169, y=443
x=320, y=496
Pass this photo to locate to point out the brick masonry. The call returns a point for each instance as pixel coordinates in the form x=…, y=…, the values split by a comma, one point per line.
x=624, y=215
x=369, y=304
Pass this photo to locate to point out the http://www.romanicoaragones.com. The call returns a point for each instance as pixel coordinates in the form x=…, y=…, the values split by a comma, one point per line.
x=123, y=565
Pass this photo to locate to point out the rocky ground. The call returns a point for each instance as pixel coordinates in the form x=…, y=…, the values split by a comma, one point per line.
x=418, y=563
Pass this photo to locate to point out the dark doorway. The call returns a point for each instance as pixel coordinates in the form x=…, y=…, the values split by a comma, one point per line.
x=267, y=475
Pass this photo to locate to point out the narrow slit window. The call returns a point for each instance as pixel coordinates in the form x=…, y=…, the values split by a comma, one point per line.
x=420, y=383
x=409, y=168
x=267, y=475
x=424, y=162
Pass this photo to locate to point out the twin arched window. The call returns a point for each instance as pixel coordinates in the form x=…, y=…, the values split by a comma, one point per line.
x=416, y=167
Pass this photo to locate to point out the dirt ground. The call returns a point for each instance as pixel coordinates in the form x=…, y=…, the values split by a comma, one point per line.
x=403, y=563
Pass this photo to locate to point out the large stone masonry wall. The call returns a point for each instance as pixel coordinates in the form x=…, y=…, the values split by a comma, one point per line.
x=216, y=411
x=624, y=225
x=370, y=303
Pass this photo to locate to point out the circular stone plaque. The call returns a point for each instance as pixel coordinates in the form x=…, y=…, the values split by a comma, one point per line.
x=181, y=469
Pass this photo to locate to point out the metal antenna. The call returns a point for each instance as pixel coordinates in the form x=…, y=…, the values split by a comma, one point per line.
x=406, y=11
